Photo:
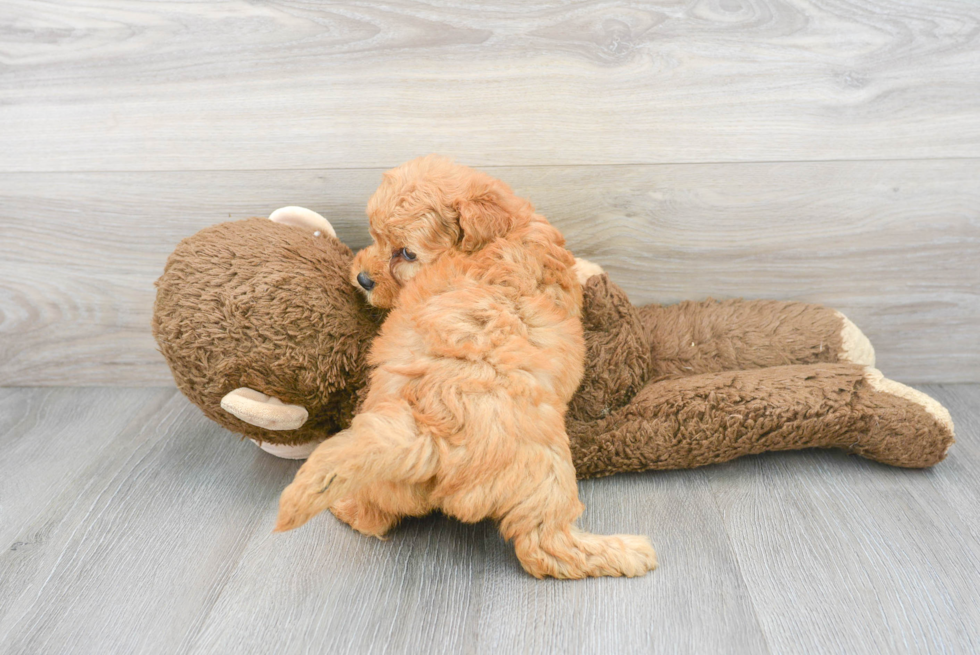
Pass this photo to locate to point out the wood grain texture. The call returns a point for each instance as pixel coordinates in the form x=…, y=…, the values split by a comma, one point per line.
x=161, y=543
x=696, y=601
x=42, y=452
x=115, y=85
x=440, y=586
x=135, y=552
x=960, y=483
x=894, y=245
x=846, y=555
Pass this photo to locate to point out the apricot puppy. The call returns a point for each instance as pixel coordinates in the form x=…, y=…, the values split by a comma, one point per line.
x=473, y=369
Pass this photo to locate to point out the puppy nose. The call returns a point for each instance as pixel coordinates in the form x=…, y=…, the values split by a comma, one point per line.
x=365, y=281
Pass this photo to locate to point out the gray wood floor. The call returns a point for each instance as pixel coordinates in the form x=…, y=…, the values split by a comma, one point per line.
x=129, y=523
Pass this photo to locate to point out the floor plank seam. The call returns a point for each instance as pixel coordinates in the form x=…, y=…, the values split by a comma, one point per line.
x=738, y=562
x=384, y=166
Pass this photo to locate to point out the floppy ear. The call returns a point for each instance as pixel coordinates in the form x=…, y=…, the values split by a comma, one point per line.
x=484, y=218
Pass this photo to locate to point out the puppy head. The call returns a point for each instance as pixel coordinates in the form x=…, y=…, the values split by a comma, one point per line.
x=425, y=208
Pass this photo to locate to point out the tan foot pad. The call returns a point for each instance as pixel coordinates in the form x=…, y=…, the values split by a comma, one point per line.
x=256, y=408
x=304, y=218
x=855, y=347
x=584, y=269
x=880, y=383
x=302, y=451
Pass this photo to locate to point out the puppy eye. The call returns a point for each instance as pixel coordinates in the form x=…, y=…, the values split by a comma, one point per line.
x=407, y=254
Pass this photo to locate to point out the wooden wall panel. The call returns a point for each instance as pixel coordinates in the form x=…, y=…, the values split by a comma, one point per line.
x=111, y=85
x=895, y=245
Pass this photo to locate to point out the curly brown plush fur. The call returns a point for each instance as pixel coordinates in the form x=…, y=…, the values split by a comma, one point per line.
x=702, y=383
x=268, y=306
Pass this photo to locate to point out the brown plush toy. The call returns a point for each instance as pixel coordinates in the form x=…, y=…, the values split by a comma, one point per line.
x=264, y=332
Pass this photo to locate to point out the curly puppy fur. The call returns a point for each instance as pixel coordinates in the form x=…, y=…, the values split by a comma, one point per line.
x=473, y=371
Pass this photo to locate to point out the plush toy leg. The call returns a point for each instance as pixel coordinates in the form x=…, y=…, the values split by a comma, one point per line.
x=716, y=417
x=906, y=427
x=704, y=337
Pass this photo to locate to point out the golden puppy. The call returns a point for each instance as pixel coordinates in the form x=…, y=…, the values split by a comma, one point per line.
x=474, y=366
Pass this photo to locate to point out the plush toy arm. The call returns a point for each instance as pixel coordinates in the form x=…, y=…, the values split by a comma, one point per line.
x=703, y=337
x=616, y=349
x=716, y=417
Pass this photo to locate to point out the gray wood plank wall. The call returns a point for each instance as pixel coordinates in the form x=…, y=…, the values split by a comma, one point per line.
x=823, y=151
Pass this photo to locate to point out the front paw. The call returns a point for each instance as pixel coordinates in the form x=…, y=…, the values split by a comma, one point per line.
x=317, y=485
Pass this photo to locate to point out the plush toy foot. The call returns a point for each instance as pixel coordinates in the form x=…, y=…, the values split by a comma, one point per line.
x=715, y=417
x=855, y=347
x=906, y=427
x=304, y=218
x=256, y=408
x=584, y=269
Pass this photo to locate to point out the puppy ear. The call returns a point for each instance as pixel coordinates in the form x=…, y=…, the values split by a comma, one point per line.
x=485, y=217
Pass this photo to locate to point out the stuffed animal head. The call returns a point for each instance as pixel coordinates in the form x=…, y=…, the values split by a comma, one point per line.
x=262, y=329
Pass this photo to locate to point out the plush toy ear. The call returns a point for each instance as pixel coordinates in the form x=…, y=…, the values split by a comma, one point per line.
x=304, y=218
x=260, y=410
x=484, y=218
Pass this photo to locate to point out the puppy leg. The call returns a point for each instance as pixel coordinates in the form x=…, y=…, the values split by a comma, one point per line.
x=547, y=542
x=366, y=517
x=380, y=446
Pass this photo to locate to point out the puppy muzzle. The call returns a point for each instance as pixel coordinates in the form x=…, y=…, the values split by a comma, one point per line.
x=365, y=281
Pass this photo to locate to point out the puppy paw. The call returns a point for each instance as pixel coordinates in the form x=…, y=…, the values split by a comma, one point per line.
x=317, y=485
x=366, y=518
x=623, y=555
x=575, y=555
x=639, y=556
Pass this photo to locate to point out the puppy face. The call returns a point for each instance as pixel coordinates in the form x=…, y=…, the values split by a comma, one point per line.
x=424, y=209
